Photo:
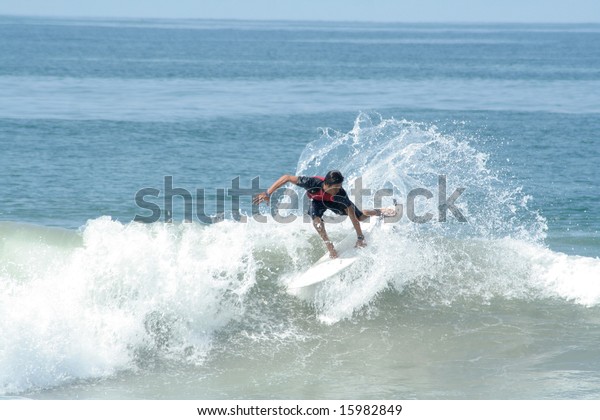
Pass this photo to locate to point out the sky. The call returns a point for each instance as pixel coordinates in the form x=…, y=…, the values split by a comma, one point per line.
x=539, y=11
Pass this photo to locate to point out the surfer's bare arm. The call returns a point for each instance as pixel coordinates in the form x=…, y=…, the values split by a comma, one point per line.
x=320, y=227
x=355, y=222
x=265, y=196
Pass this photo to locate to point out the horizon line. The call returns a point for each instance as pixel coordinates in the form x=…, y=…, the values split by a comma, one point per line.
x=447, y=22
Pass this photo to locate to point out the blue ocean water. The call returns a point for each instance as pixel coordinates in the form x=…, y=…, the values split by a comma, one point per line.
x=94, y=305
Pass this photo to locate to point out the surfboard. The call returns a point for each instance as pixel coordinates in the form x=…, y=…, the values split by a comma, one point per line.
x=326, y=268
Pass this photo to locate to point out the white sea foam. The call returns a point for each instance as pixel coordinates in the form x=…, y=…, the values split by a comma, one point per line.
x=130, y=292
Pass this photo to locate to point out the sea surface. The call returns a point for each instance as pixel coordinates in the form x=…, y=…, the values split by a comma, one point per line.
x=95, y=113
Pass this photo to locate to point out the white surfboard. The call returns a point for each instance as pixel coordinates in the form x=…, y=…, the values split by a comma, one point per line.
x=326, y=268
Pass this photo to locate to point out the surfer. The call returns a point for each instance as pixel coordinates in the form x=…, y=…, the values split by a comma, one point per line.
x=325, y=193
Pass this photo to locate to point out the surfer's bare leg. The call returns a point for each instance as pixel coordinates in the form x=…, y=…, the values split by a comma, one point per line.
x=368, y=213
x=350, y=211
x=320, y=227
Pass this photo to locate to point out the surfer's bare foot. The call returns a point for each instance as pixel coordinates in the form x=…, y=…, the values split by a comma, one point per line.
x=332, y=251
x=360, y=243
x=387, y=212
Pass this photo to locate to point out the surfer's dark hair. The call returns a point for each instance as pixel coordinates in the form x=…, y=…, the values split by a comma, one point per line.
x=334, y=177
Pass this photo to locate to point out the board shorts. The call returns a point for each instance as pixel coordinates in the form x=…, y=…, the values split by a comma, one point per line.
x=317, y=208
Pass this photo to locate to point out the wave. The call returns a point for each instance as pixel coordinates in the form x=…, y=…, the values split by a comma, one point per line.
x=118, y=296
x=113, y=295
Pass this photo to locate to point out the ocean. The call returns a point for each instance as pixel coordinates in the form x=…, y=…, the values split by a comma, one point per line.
x=106, y=121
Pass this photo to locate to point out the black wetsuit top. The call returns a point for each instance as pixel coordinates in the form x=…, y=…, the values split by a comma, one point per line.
x=321, y=201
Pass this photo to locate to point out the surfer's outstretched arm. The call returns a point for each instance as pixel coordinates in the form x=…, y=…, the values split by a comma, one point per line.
x=265, y=196
x=320, y=227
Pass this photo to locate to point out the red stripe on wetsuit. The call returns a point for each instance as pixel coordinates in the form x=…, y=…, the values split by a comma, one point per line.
x=321, y=195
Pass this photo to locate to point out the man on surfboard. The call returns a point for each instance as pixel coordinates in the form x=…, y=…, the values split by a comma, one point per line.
x=325, y=193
